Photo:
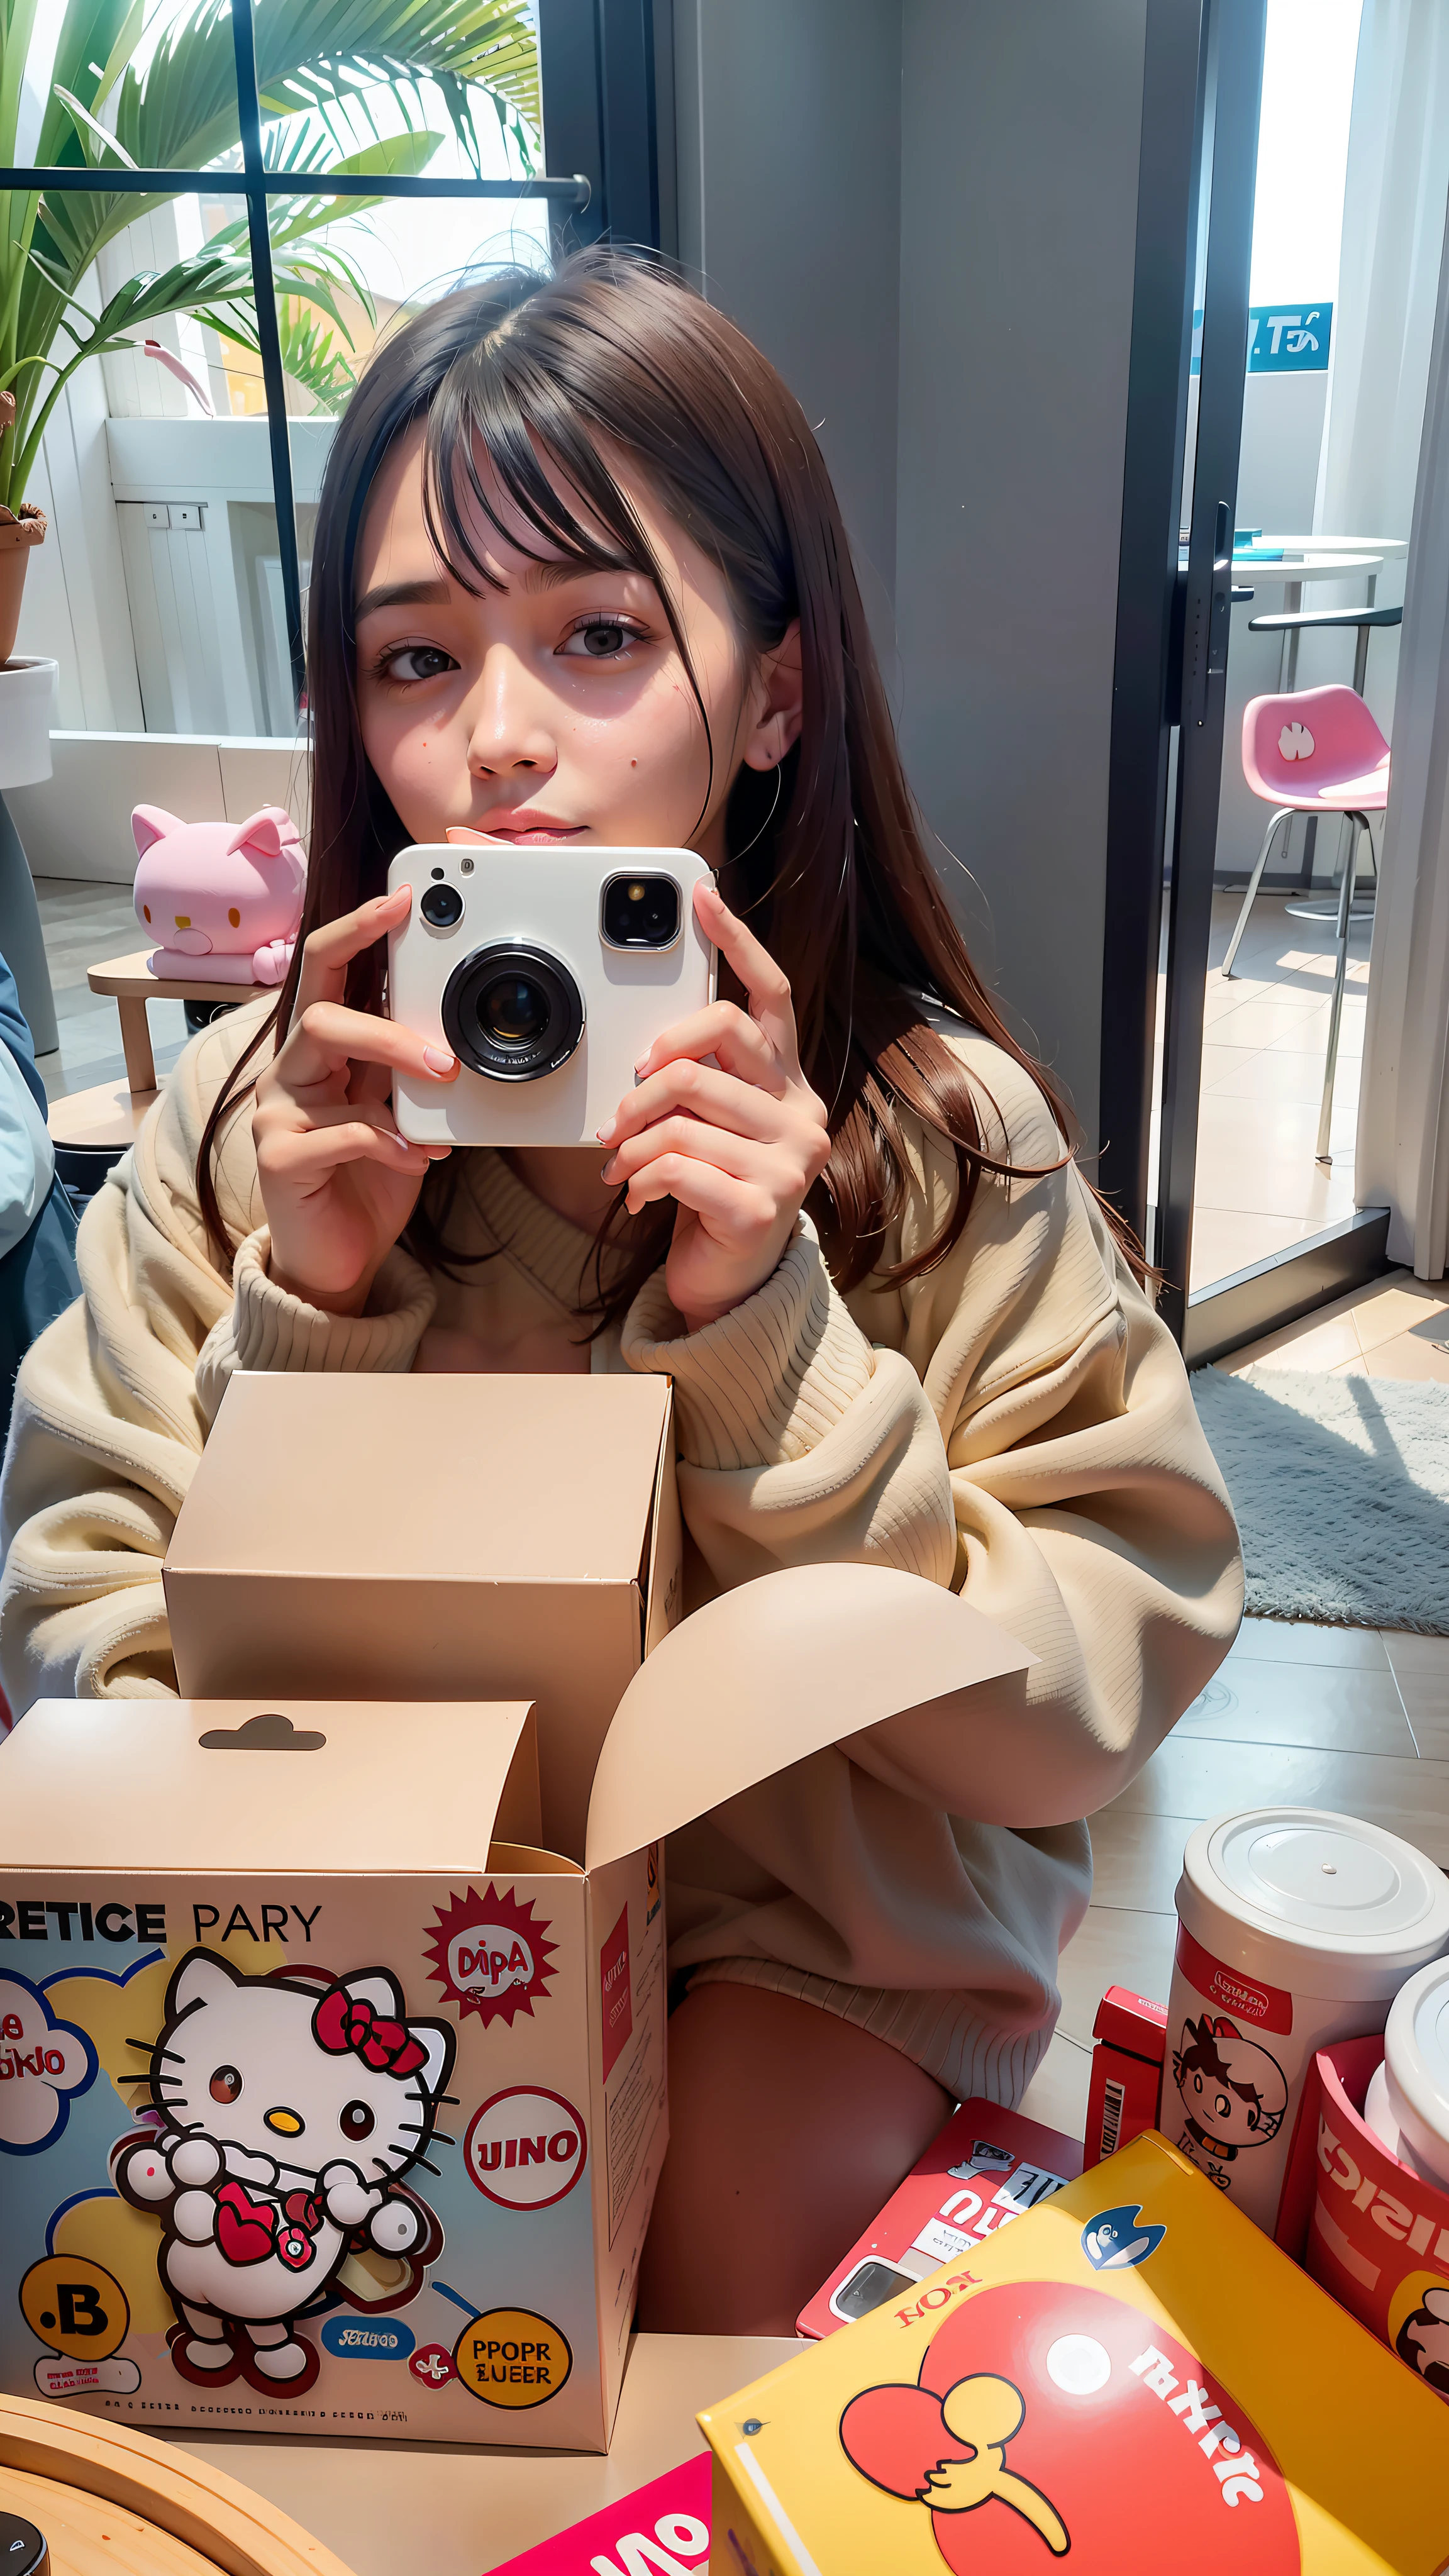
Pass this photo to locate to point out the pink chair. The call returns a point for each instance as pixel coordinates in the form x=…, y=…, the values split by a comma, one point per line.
x=1317, y=752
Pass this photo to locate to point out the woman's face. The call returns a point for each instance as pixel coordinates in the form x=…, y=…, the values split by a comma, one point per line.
x=556, y=707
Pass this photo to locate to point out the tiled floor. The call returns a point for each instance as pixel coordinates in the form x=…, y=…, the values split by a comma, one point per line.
x=84, y=924
x=1352, y=1718
x=1259, y=1188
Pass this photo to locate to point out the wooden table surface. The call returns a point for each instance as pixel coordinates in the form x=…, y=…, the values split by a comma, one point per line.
x=435, y=2509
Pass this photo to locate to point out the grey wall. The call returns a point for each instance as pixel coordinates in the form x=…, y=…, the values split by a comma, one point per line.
x=788, y=151
x=1018, y=215
x=924, y=211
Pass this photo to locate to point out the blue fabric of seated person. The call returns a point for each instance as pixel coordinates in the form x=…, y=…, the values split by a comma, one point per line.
x=38, y=1275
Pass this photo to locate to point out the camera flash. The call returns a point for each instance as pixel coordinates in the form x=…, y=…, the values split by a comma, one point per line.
x=636, y=894
x=466, y=866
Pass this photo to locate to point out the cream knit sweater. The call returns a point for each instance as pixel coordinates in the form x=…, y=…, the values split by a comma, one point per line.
x=1015, y=1424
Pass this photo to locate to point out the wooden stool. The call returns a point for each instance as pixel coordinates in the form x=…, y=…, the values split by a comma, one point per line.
x=91, y=1130
x=131, y=981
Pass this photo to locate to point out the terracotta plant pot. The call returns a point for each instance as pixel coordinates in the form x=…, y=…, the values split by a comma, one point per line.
x=17, y=536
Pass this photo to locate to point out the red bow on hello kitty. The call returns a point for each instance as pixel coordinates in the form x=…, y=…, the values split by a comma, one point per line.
x=342, y=2021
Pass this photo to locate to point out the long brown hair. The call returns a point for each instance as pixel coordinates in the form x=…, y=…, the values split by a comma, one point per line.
x=545, y=373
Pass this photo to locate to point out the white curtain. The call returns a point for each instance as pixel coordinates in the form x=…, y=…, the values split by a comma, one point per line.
x=1396, y=186
x=1403, y=1132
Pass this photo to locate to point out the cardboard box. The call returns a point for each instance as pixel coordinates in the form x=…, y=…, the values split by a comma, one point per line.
x=433, y=1538
x=1131, y=2380
x=485, y=1985
x=987, y=2167
x=1130, y=2032
x=167, y=2095
x=1374, y=2232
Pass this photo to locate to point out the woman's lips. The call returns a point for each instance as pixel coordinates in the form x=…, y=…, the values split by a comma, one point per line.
x=520, y=829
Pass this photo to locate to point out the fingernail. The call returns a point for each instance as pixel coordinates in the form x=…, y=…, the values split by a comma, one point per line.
x=605, y=1133
x=438, y=1060
x=607, y=1173
x=641, y=1061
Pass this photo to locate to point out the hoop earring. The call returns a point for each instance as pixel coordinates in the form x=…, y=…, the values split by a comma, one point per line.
x=737, y=855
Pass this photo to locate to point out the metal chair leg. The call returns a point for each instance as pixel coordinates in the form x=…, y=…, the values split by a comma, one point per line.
x=1330, y=1063
x=1283, y=815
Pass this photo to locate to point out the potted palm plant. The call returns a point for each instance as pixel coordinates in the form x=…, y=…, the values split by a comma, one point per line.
x=117, y=99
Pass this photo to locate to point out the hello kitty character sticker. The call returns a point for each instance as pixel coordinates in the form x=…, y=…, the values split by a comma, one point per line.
x=290, y=2107
x=224, y=899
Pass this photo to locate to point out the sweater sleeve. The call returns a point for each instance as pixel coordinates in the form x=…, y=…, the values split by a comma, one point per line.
x=798, y=1443
x=1021, y=1430
x=113, y=1402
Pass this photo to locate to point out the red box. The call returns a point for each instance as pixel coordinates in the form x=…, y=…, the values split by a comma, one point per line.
x=1131, y=2035
x=986, y=2167
x=662, y=2525
x=1366, y=2227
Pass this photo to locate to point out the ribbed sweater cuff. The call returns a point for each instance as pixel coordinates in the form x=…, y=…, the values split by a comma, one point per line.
x=272, y=1330
x=765, y=1383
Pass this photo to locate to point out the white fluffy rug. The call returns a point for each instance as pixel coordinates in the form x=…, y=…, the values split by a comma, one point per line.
x=1341, y=1488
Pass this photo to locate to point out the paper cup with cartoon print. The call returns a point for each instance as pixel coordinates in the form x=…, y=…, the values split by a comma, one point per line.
x=1296, y=1928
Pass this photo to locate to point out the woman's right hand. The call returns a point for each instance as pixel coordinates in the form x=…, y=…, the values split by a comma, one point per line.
x=337, y=1180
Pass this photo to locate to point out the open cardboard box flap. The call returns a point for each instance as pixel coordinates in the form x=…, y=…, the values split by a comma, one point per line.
x=773, y=1671
x=222, y=1785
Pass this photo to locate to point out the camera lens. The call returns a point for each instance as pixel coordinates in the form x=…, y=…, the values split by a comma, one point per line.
x=442, y=905
x=512, y=1012
x=641, y=912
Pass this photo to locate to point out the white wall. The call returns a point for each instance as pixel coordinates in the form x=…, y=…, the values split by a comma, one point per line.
x=78, y=823
x=925, y=214
x=1018, y=215
x=788, y=147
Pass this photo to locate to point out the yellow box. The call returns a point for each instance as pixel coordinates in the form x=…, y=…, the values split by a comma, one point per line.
x=1131, y=2381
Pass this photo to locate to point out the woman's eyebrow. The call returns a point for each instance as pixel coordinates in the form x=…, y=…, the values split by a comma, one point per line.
x=401, y=594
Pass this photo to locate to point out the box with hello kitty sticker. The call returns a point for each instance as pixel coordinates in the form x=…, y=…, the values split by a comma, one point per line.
x=330, y=2101
x=340, y=2105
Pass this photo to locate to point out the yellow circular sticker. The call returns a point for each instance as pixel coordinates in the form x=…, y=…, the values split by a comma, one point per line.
x=510, y=2357
x=75, y=2306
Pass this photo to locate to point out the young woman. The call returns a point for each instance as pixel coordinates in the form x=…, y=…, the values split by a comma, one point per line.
x=579, y=574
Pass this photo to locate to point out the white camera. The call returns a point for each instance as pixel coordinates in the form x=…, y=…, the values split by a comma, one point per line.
x=549, y=971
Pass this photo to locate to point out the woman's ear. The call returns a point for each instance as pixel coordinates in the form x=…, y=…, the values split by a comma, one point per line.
x=779, y=693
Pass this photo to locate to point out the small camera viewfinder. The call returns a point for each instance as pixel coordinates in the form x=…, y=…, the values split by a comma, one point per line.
x=641, y=912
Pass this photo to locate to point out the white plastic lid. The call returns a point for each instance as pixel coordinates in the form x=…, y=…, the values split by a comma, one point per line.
x=1378, y=2115
x=1317, y=1903
x=1416, y=2065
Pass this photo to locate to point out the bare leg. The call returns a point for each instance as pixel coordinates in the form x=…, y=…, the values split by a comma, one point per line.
x=788, y=2129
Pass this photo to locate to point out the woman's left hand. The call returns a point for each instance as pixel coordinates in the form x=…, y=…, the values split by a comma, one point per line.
x=736, y=1147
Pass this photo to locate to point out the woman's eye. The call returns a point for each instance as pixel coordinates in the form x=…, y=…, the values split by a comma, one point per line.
x=417, y=662
x=356, y=2121
x=225, y=2084
x=600, y=639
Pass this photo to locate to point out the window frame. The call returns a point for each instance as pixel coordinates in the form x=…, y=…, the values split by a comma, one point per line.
x=569, y=198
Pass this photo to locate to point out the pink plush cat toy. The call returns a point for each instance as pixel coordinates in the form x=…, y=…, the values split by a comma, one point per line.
x=225, y=899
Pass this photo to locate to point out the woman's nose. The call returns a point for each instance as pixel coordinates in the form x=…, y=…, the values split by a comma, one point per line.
x=510, y=729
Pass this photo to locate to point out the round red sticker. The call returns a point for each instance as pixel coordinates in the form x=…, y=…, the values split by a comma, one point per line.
x=1045, y=2414
x=525, y=2148
x=491, y=1955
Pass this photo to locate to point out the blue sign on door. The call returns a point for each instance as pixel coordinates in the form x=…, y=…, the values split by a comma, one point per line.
x=1284, y=339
